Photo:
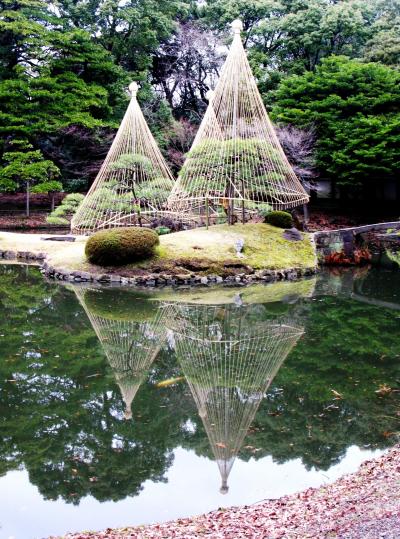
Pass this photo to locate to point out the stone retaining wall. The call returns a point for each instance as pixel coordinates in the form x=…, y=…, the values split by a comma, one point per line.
x=153, y=280
x=346, y=240
x=22, y=255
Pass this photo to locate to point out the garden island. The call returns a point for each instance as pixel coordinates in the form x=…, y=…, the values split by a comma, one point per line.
x=199, y=269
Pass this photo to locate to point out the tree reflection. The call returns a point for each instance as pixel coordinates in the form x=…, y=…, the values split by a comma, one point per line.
x=229, y=354
x=131, y=331
x=61, y=411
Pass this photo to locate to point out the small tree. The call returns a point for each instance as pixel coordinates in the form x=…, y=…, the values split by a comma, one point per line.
x=234, y=171
x=68, y=207
x=23, y=169
x=299, y=147
x=140, y=182
x=50, y=187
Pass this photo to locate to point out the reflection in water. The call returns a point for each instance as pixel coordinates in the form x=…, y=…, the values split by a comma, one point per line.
x=229, y=353
x=229, y=357
x=131, y=331
x=61, y=416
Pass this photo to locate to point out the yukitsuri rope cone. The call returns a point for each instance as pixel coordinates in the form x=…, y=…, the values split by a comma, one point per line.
x=236, y=165
x=229, y=357
x=130, y=336
x=134, y=181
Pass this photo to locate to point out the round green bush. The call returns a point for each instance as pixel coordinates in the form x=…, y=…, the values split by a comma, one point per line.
x=281, y=219
x=119, y=246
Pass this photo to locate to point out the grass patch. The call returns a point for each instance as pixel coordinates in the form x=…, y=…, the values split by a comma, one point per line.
x=264, y=246
x=198, y=251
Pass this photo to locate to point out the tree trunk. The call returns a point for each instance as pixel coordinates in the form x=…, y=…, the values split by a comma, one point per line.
x=52, y=197
x=306, y=214
x=27, y=208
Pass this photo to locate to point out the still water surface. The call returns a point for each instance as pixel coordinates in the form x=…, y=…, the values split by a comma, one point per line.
x=121, y=407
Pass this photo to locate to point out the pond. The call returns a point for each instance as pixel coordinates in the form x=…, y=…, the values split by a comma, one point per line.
x=120, y=407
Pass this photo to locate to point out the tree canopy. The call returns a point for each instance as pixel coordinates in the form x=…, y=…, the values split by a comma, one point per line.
x=355, y=107
x=64, y=69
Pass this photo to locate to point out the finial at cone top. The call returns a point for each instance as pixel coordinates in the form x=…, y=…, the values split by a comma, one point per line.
x=209, y=95
x=133, y=88
x=237, y=26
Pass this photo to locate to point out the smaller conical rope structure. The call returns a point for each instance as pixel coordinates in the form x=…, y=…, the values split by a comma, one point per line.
x=236, y=164
x=134, y=181
x=131, y=346
x=229, y=359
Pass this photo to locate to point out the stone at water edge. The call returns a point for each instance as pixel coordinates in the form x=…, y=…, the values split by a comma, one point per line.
x=58, y=238
x=292, y=234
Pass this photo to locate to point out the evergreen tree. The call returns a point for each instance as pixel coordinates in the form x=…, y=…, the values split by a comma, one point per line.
x=51, y=78
x=355, y=108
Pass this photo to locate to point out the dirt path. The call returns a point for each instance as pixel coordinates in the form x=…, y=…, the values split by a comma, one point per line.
x=363, y=505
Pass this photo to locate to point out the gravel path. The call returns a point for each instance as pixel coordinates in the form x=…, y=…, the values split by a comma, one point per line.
x=363, y=505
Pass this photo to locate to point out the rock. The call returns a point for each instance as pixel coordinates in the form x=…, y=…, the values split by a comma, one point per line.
x=204, y=280
x=85, y=276
x=104, y=278
x=291, y=275
x=292, y=234
x=268, y=277
x=9, y=255
x=58, y=238
x=239, y=244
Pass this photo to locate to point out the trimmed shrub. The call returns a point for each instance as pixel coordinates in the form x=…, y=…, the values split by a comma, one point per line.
x=118, y=246
x=74, y=198
x=281, y=219
x=56, y=220
x=62, y=214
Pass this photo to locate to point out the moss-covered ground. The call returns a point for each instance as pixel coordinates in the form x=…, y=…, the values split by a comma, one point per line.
x=198, y=250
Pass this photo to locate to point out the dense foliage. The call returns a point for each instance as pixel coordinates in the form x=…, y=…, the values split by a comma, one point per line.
x=120, y=246
x=355, y=107
x=64, y=69
x=64, y=212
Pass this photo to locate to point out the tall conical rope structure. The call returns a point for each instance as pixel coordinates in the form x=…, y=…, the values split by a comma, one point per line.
x=134, y=181
x=236, y=164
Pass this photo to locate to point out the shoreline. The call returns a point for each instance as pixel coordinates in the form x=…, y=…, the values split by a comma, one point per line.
x=364, y=504
x=189, y=260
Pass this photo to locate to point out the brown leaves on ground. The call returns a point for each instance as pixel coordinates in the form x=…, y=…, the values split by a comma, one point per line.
x=362, y=505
